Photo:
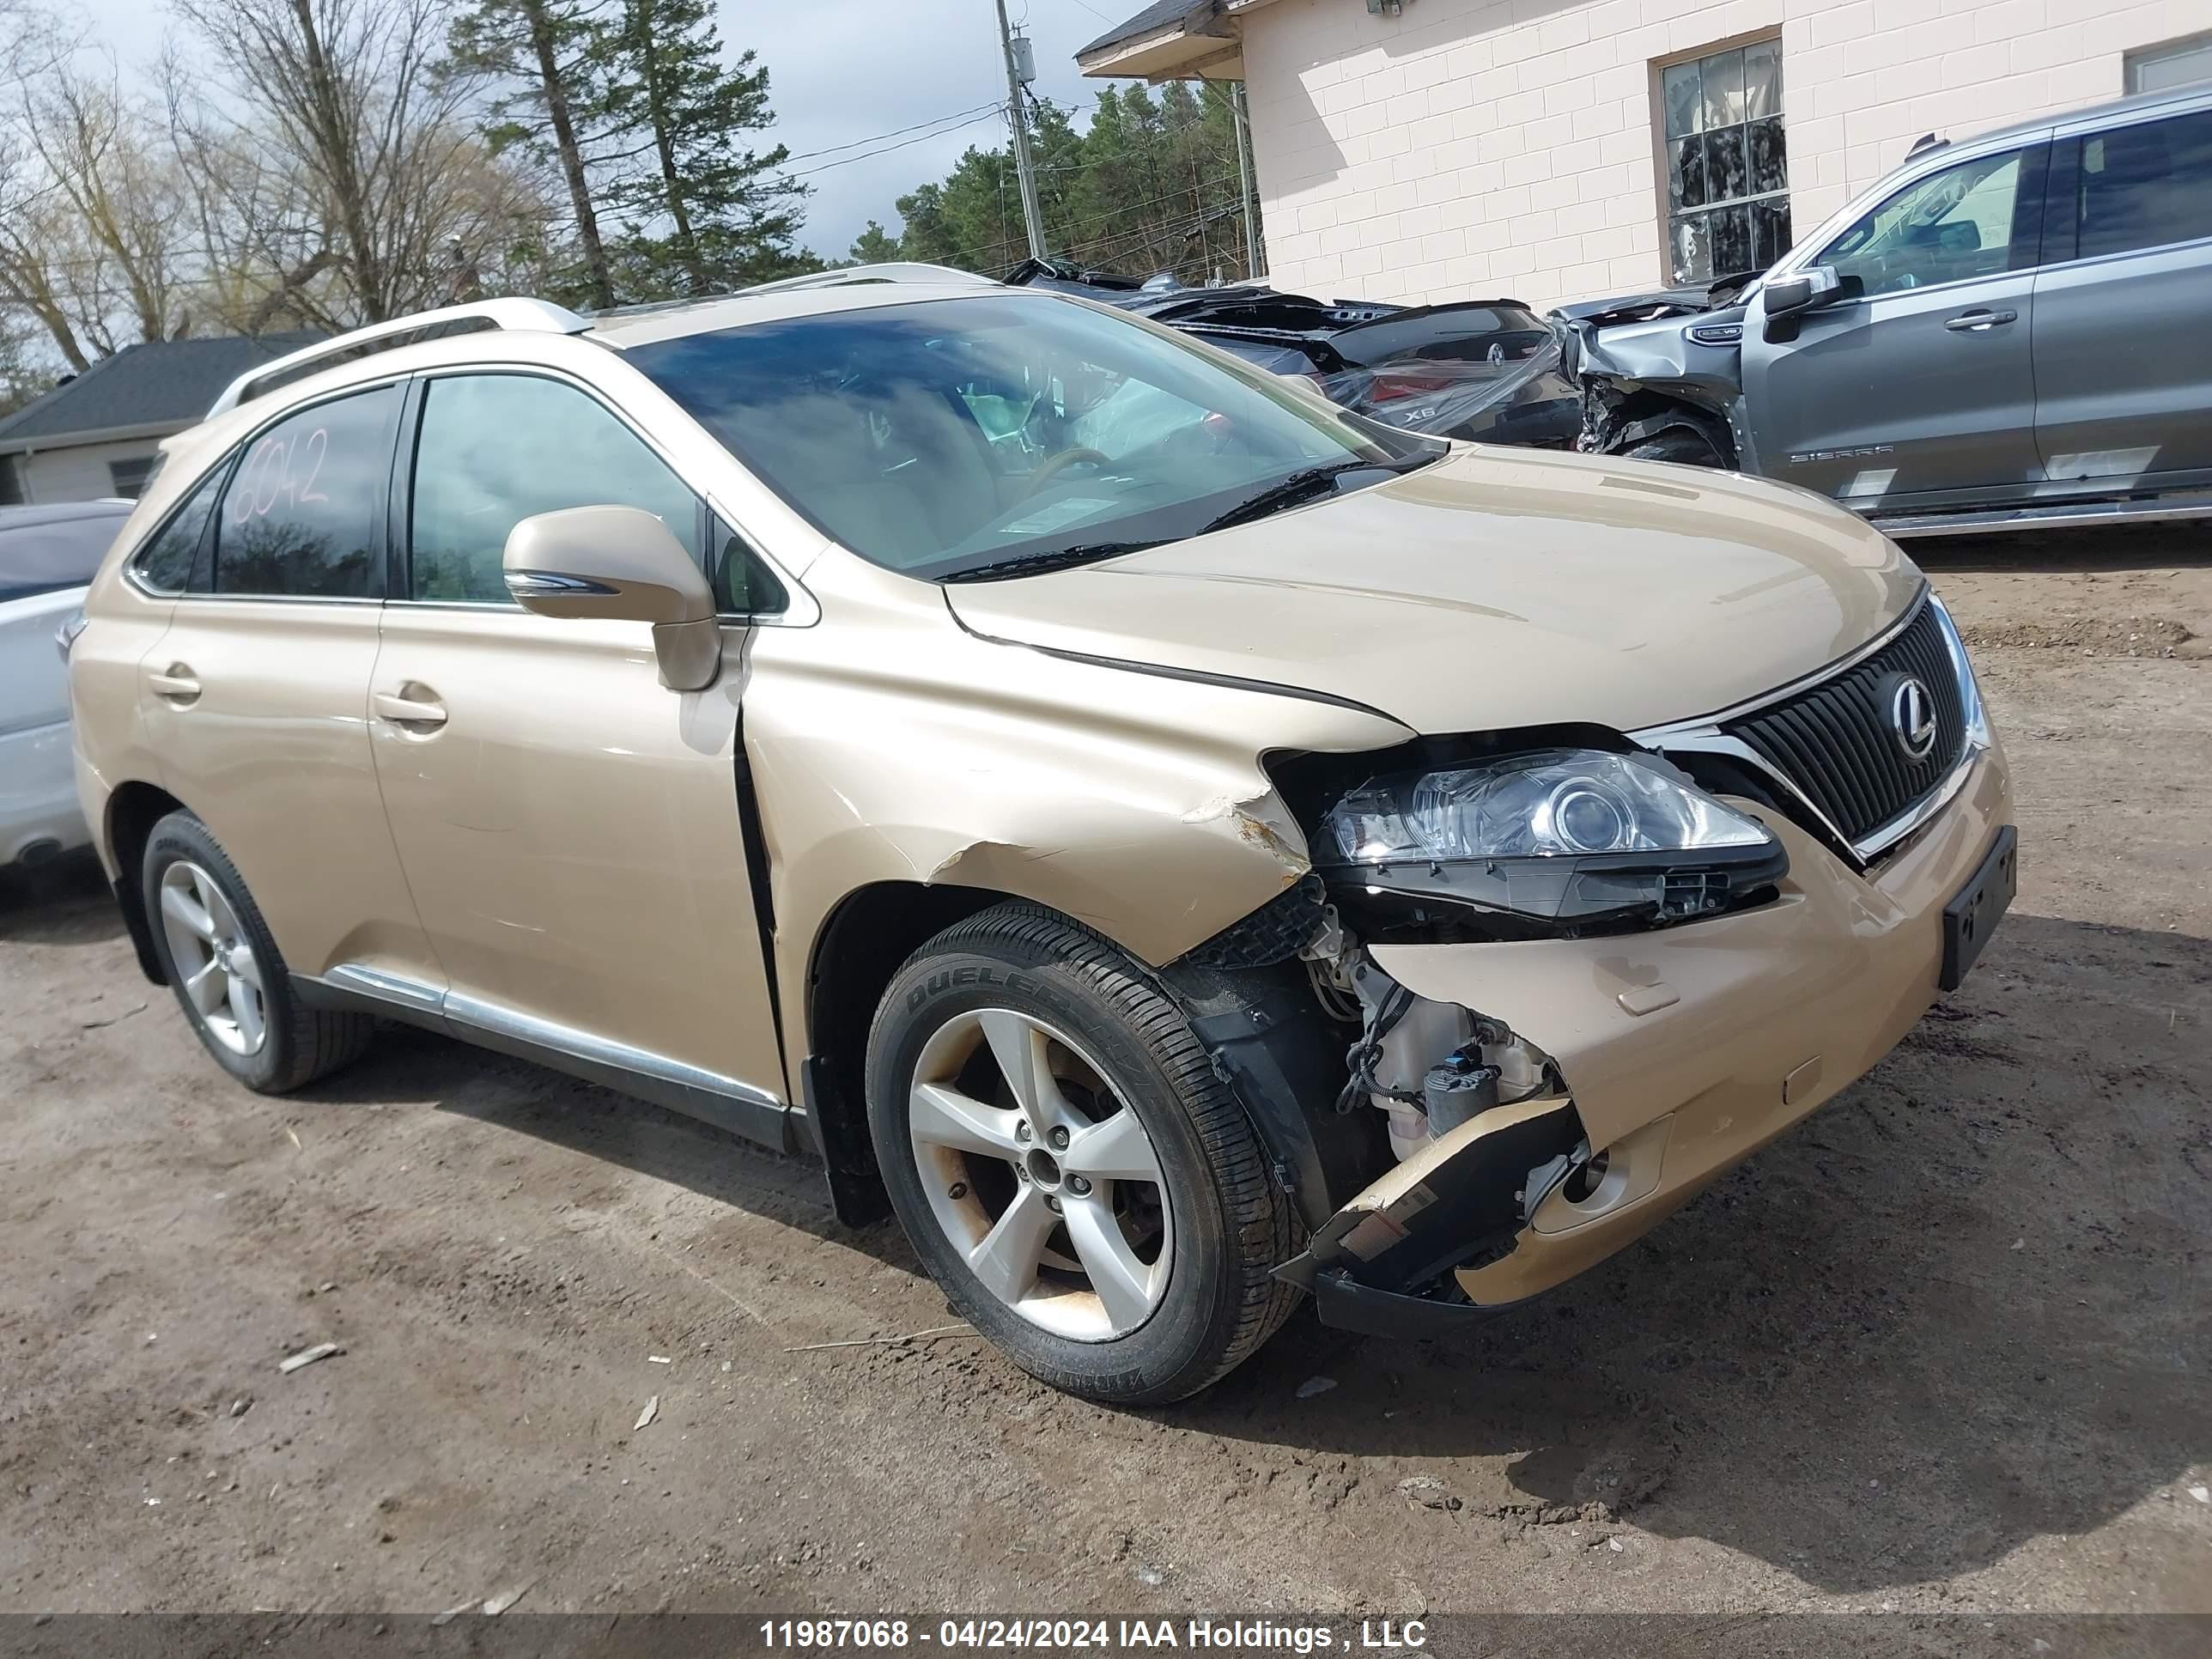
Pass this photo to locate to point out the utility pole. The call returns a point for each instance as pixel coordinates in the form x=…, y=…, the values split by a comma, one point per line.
x=1236, y=107
x=1031, y=214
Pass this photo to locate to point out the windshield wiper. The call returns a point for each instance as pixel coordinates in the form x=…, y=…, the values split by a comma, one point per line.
x=1058, y=558
x=1301, y=486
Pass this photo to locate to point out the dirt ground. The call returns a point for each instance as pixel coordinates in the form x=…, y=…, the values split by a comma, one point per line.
x=1945, y=1348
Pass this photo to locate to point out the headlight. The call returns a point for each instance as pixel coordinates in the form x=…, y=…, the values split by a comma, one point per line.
x=1559, y=836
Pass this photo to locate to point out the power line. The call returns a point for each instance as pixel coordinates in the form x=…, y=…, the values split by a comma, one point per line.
x=1082, y=225
x=832, y=150
x=1129, y=238
x=990, y=114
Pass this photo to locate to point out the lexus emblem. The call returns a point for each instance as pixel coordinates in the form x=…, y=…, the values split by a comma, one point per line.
x=1912, y=719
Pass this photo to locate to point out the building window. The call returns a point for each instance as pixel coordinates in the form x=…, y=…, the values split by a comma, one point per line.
x=11, y=482
x=129, y=479
x=2176, y=63
x=1728, y=176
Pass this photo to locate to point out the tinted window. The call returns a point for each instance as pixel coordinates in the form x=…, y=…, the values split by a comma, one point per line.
x=495, y=449
x=301, y=516
x=2145, y=186
x=44, y=558
x=166, y=565
x=1946, y=228
x=1465, y=333
x=743, y=585
x=129, y=479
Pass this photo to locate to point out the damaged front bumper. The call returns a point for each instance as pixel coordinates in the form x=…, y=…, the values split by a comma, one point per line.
x=1682, y=1051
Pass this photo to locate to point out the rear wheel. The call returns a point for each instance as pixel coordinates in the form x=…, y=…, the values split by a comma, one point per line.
x=225, y=967
x=1682, y=447
x=1073, y=1175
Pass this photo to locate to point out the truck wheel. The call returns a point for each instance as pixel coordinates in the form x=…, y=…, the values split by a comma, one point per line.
x=1078, y=1182
x=227, y=972
x=1683, y=448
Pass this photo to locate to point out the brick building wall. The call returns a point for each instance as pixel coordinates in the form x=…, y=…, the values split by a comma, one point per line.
x=1472, y=147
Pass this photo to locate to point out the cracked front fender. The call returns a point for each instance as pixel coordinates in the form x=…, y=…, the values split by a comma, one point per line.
x=895, y=746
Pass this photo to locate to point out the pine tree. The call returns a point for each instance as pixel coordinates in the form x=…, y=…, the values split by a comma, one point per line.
x=549, y=58
x=1150, y=185
x=704, y=211
x=875, y=246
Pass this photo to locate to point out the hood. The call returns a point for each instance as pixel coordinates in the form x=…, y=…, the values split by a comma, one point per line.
x=1494, y=588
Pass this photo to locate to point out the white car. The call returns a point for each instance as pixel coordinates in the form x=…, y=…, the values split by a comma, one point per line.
x=47, y=556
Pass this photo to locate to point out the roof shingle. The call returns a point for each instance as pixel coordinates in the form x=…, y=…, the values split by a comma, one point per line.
x=160, y=382
x=1158, y=15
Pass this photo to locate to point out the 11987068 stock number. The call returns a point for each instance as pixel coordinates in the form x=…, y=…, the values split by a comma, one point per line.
x=951, y=1633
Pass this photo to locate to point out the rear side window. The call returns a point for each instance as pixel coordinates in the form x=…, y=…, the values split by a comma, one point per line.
x=166, y=565
x=495, y=449
x=45, y=558
x=303, y=514
x=2145, y=186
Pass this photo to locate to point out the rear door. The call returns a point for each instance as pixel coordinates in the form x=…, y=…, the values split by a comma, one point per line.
x=257, y=697
x=1920, y=378
x=2123, y=304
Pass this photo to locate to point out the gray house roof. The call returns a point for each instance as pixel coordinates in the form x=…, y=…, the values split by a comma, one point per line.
x=163, y=383
x=1156, y=16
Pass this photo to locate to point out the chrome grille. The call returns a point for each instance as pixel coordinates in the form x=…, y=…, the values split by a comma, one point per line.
x=1836, y=740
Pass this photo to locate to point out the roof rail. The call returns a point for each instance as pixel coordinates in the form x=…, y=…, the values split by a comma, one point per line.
x=897, y=270
x=512, y=312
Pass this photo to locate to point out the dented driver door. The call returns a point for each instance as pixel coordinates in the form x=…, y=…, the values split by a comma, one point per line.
x=570, y=826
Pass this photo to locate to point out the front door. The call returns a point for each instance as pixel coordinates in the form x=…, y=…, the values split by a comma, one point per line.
x=568, y=825
x=1918, y=380
x=257, y=696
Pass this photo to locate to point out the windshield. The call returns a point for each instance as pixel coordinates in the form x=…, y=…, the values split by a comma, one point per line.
x=946, y=437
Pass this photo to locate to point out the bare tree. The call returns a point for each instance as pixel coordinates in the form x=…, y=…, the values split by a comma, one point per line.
x=31, y=284
x=103, y=239
x=365, y=163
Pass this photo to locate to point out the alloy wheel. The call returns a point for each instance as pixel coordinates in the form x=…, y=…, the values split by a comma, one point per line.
x=221, y=976
x=1041, y=1175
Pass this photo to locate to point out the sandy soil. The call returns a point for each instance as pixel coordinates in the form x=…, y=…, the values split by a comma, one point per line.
x=1945, y=1348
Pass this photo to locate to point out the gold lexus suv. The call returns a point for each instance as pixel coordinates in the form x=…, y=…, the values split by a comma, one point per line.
x=1177, y=845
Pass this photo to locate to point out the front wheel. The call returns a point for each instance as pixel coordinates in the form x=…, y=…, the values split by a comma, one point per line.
x=1075, y=1178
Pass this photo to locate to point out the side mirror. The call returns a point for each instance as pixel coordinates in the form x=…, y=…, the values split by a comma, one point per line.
x=1792, y=296
x=622, y=563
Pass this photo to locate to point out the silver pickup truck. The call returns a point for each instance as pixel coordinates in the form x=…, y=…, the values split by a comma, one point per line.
x=2008, y=333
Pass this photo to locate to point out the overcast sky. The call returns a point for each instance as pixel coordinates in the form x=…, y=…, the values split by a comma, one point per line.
x=841, y=70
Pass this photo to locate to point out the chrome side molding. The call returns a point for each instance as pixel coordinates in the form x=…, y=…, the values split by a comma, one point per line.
x=740, y=1108
x=2047, y=515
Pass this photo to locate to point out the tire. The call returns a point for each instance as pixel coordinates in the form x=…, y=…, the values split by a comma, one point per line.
x=1682, y=448
x=1115, y=1044
x=268, y=1041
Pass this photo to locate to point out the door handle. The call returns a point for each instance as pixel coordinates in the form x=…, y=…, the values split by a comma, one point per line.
x=423, y=709
x=1980, y=320
x=175, y=683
